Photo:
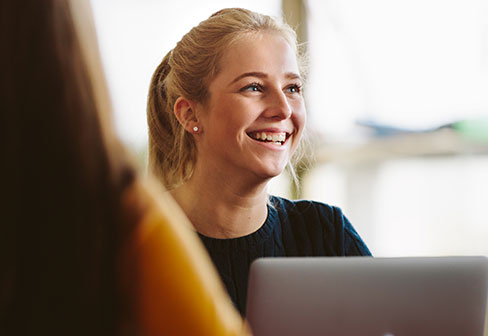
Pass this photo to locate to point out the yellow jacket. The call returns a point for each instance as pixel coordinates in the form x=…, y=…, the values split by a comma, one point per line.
x=178, y=291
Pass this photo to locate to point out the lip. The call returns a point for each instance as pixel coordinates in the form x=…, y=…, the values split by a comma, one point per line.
x=270, y=146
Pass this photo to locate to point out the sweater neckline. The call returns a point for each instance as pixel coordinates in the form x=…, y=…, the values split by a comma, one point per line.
x=248, y=241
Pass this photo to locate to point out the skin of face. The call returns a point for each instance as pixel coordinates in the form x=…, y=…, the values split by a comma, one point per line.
x=257, y=93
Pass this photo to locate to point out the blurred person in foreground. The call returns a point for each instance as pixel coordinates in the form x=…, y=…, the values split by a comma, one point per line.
x=86, y=248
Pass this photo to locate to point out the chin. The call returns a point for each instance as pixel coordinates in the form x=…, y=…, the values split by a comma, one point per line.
x=270, y=173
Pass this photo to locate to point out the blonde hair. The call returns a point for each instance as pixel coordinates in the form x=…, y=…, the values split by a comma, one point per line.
x=187, y=71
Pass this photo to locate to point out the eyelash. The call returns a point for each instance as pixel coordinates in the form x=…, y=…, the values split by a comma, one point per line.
x=252, y=86
x=296, y=87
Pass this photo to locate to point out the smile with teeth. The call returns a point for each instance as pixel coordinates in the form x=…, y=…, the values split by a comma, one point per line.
x=276, y=138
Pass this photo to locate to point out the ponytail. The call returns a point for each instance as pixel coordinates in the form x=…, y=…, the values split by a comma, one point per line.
x=168, y=141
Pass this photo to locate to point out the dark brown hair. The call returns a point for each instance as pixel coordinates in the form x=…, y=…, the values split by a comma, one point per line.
x=63, y=173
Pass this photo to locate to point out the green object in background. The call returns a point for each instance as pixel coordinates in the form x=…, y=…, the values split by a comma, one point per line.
x=473, y=129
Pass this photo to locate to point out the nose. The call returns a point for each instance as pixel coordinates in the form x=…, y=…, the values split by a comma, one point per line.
x=278, y=106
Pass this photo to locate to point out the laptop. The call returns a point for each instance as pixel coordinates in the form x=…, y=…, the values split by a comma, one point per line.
x=426, y=296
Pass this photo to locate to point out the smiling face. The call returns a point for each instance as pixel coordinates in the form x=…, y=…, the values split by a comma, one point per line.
x=253, y=120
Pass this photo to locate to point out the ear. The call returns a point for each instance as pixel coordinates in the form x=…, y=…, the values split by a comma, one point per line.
x=184, y=111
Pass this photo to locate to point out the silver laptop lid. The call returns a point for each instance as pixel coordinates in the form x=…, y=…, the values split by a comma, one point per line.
x=368, y=296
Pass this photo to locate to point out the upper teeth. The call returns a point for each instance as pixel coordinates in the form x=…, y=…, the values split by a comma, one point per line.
x=275, y=137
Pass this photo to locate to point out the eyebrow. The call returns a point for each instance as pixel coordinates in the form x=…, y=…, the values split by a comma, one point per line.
x=289, y=75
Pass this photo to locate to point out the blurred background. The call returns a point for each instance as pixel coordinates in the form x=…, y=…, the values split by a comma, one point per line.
x=397, y=101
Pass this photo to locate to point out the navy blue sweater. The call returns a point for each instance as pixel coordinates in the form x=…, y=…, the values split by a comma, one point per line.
x=292, y=228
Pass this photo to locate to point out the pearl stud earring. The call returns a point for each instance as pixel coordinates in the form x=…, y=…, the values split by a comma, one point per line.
x=195, y=129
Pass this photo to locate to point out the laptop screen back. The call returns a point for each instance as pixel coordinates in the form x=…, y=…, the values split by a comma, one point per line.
x=368, y=296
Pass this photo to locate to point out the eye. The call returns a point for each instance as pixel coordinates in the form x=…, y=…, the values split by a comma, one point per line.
x=253, y=87
x=294, y=88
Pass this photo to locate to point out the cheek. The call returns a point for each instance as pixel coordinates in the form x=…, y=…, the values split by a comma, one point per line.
x=299, y=117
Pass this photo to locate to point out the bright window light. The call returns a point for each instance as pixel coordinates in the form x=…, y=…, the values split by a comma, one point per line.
x=414, y=64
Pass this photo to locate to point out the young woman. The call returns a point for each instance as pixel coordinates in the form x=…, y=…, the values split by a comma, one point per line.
x=86, y=248
x=226, y=114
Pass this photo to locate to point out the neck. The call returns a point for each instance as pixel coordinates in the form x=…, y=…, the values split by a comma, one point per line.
x=221, y=205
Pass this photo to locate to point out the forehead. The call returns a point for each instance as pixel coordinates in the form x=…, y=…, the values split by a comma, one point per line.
x=269, y=53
